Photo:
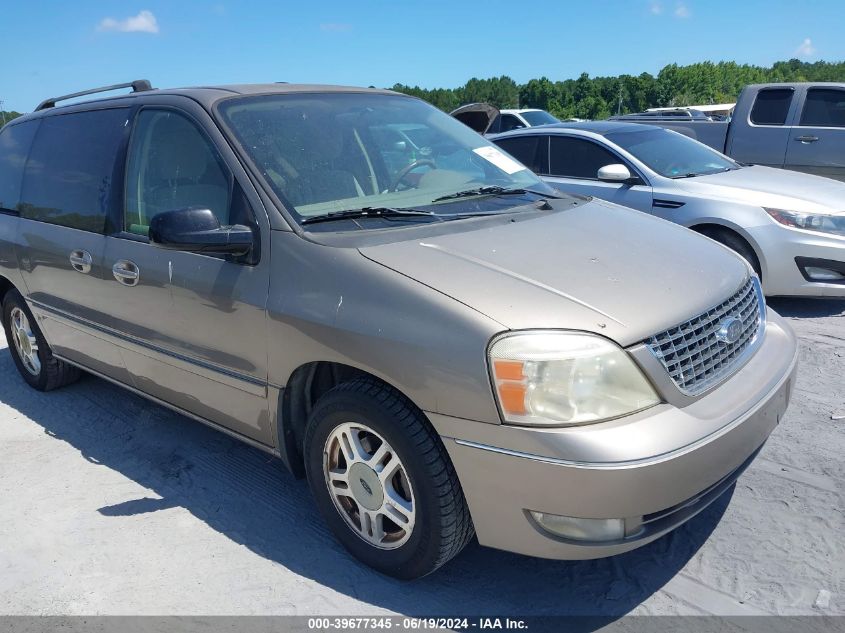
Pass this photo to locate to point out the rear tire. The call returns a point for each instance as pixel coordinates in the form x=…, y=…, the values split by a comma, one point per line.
x=29, y=349
x=394, y=501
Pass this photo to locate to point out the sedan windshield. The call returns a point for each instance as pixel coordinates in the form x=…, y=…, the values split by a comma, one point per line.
x=341, y=152
x=538, y=117
x=671, y=154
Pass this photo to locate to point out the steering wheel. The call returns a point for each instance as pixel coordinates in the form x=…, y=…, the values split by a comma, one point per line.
x=675, y=169
x=422, y=162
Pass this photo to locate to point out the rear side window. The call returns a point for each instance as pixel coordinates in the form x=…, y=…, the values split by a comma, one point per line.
x=69, y=175
x=15, y=141
x=824, y=108
x=771, y=106
x=578, y=158
x=526, y=149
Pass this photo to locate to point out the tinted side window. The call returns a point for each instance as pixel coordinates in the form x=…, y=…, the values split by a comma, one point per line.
x=15, y=141
x=824, y=107
x=510, y=122
x=525, y=149
x=578, y=158
x=771, y=106
x=68, y=177
x=496, y=125
x=172, y=165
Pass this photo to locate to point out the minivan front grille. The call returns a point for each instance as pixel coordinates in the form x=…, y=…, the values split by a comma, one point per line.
x=705, y=350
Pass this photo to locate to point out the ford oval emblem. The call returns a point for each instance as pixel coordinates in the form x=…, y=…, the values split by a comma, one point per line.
x=729, y=331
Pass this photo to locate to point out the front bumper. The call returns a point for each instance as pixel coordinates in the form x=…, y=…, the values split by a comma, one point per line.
x=780, y=246
x=656, y=469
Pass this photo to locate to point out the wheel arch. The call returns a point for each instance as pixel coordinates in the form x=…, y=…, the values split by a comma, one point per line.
x=5, y=286
x=711, y=227
x=306, y=384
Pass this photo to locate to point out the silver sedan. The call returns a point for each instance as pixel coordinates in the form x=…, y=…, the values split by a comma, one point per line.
x=789, y=226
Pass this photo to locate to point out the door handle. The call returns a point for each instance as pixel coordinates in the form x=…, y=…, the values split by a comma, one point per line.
x=81, y=261
x=807, y=139
x=126, y=272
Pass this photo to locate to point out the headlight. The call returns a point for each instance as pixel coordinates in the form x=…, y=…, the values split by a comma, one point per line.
x=820, y=222
x=565, y=378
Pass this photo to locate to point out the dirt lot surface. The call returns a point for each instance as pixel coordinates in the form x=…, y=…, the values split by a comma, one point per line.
x=112, y=505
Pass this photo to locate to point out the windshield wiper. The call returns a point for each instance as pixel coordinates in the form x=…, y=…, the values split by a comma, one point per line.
x=540, y=205
x=490, y=190
x=368, y=212
x=689, y=175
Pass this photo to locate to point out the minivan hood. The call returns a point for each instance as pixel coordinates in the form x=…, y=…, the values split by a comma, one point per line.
x=478, y=116
x=597, y=267
x=771, y=187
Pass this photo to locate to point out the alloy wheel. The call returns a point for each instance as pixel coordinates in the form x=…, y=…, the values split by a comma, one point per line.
x=369, y=485
x=26, y=344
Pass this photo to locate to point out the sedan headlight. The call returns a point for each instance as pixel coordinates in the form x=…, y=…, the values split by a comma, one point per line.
x=565, y=378
x=821, y=222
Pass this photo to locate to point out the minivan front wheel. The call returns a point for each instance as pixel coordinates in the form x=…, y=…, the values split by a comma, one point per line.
x=383, y=481
x=30, y=351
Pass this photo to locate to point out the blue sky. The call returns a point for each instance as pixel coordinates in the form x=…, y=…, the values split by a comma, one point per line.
x=53, y=47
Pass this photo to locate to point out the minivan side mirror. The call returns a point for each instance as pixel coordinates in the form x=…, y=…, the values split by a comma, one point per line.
x=197, y=230
x=615, y=173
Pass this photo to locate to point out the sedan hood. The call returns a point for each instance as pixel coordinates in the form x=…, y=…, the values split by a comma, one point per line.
x=770, y=187
x=478, y=116
x=596, y=267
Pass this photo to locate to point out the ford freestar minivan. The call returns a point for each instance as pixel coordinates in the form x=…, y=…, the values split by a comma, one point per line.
x=361, y=285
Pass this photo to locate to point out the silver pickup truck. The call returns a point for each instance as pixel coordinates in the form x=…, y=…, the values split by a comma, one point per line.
x=799, y=126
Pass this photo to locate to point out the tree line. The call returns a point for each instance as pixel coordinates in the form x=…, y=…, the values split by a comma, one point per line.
x=6, y=116
x=599, y=97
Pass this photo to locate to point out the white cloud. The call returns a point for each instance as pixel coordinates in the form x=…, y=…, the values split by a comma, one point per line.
x=806, y=49
x=335, y=27
x=144, y=22
x=656, y=8
x=682, y=10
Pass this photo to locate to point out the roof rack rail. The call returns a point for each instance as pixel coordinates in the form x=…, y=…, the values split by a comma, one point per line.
x=139, y=85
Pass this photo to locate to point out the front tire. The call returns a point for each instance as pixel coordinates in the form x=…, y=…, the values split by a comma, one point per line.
x=29, y=349
x=738, y=245
x=383, y=480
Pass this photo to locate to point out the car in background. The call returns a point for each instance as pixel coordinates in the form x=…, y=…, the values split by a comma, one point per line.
x=675, y=114
x=797, y=126
x=516, y=119
x=487, y=119
x=789, y=226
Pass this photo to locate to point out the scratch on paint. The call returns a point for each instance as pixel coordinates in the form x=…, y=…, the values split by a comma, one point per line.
x=339, y=303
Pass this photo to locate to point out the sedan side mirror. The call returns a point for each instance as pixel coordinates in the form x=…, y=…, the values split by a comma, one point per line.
x=197, y=230
x=615, y=173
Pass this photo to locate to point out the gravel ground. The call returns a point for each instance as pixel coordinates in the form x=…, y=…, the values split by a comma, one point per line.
x=112, y=505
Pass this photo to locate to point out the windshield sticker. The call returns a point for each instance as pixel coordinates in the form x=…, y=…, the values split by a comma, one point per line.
x=499, y=159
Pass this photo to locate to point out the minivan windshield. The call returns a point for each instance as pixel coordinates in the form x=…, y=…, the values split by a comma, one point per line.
x=338, y=153
x=671, y=154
